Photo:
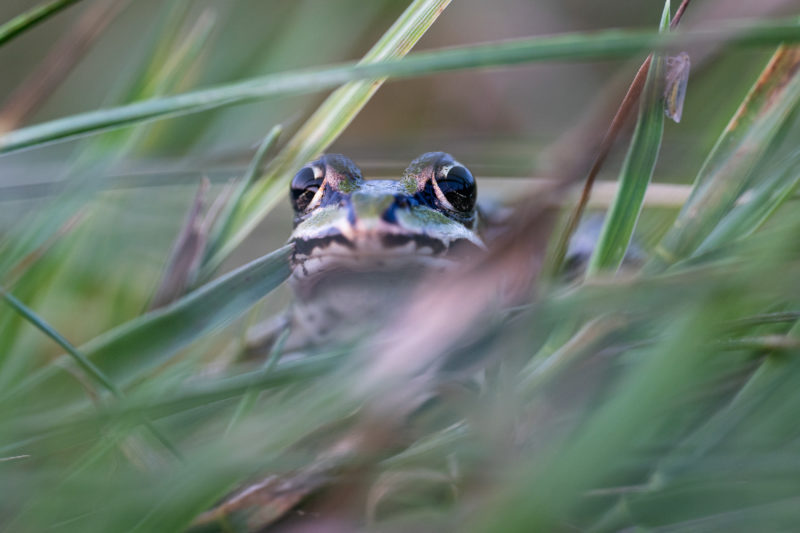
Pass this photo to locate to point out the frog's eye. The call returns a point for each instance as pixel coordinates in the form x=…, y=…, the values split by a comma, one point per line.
x=458, y=187
x=304, y=187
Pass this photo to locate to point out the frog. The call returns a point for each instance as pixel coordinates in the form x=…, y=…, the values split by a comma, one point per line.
x=360, y=245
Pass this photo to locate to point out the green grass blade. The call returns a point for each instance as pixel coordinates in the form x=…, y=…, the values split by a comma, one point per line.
x=88, y=366
x=739, y=150
x=326, y=124
x=128, y=351
x=94, y=158
x=766, y=197
x=31, y=18
x=637, y=170
x=567, y=47
x=223, y=224
x=553, y=484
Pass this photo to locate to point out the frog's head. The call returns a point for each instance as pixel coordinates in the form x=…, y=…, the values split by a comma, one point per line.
x=343, y=222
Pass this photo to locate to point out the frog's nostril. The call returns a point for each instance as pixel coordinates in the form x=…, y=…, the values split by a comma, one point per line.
x=351, y=212
x=399, y=202
x=389, y=215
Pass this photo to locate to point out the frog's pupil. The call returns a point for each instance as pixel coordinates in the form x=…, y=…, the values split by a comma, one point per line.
x=459, y=188
x=303, y=188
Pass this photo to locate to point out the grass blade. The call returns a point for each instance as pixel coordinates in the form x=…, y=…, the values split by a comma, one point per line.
x=126, y=352
x=636, y=172
x=88, y=366
x=223, y=225
x=31, y=18
x=766, y=198
x=740, y=148
x=60, y=61
x=567, y=47
x=631, y=98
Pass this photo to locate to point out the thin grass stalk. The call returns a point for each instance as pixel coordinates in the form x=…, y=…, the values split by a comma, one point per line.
x=139, y=345
x=637, y=170
x=60, y=61
x=222, y=226
x=88, y=366
x=567, y=47
x=630, y=99
x=31, y=18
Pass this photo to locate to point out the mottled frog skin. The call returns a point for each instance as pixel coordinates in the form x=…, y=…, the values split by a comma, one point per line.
x=359, y=244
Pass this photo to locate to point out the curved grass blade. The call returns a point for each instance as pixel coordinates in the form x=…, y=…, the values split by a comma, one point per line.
x=31, y=18
x=742, y=146
x=765, y=198
x=88, y=366
x=567, y=47
x=128, y=351
x=637, y=170
x=223, y=225
x=197, y=395
x=324, y=126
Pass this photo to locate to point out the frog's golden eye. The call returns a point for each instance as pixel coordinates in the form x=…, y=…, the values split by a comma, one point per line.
x=304, y=187
x=459, y=188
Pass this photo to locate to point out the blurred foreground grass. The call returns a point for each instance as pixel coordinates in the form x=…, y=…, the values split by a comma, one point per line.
x=660, y=397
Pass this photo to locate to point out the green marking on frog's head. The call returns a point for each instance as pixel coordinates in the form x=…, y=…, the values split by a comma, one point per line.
x=340, y=217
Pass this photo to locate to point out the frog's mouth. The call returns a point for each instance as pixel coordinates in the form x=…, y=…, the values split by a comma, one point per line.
x=387, y=252
x=411, y=241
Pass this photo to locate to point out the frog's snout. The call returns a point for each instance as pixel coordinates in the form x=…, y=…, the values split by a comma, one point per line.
x=369, y=210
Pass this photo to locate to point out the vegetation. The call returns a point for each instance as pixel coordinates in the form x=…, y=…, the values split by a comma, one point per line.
x=660, y=395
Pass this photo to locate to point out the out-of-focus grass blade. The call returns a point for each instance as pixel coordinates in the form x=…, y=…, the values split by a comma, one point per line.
x=325, y=125
x=223, y=224
x=126, y=352
x=637, y=169
x=249, y=399
x=197, y=395
x=31, y=18
x=93, y=159
x=186, y=254
x=764, y=199
x=65, y=53
x=551, y=486
x=88, y=366
x=597, y=45
x=743, y=144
